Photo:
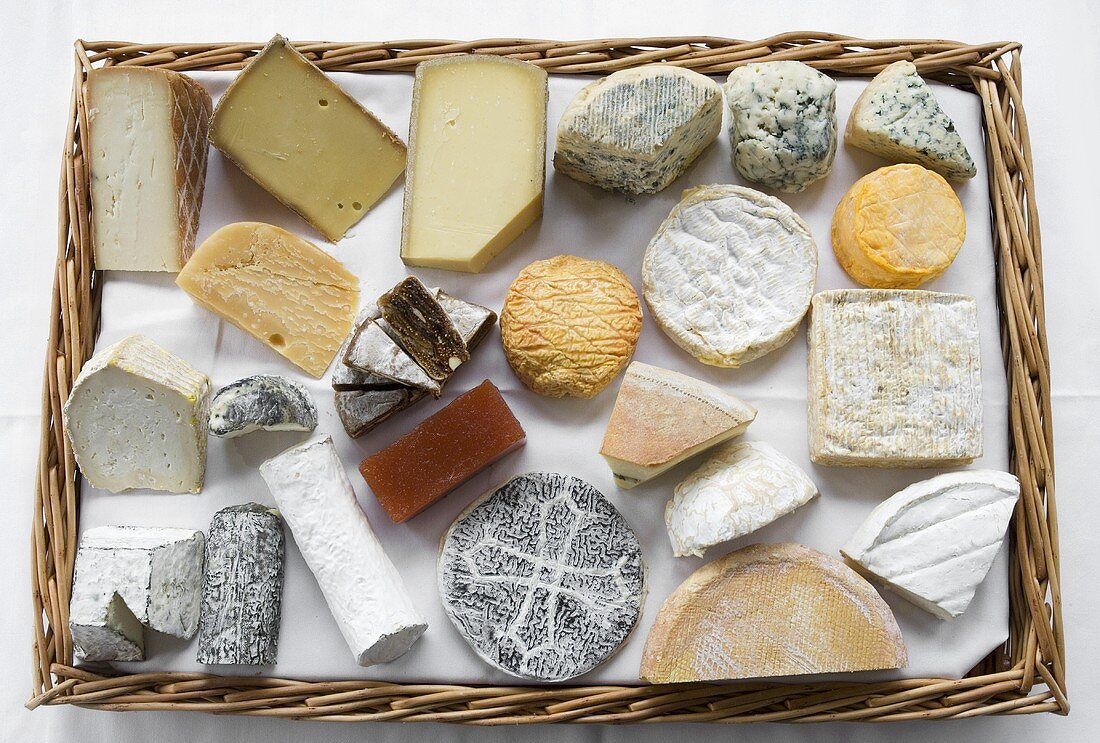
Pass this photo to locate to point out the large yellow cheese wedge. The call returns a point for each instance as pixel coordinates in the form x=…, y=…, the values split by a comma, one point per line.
x=898, y=227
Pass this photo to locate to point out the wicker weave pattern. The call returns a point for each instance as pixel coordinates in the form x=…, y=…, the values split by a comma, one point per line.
x=1026, y=675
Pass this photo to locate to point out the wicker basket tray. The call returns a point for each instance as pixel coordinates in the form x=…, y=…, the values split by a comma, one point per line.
x=1025, y=675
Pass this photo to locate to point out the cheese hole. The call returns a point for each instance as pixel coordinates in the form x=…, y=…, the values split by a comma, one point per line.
x=356, y=205
x=323, y=102
x=275, y=339
x=339, y=205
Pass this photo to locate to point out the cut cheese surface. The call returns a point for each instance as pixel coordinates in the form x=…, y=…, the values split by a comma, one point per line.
x=477, y=158
x=299, y=135
x=898, y=227
x=281, y=289
x=147, y=164
x=771, y=610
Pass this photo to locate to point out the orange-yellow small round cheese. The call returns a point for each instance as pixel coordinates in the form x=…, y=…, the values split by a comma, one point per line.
x=898, y=227
x=569, y=325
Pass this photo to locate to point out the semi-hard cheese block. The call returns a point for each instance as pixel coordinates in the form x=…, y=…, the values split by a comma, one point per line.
x=299, y=135
x=242, y=587
x=128, y=576
x=894, y=379
x=782, y=123
x=740, y=488
x=542, y=577
x=771, y=610
x=279, y=288
x=147, y=166
x=934, y=542
x=362, y=588
x=262, y=402
x=662, y=418
x=729, y=274
x=448, y=448
x=136, y=418
x=898, y=227
x=569, y=325
x=897, y=117
x=477, y=151
x=638, y=130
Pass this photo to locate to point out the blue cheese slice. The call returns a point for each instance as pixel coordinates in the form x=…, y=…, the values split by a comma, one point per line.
x=638, y=130
x=137, y=418
x=262, y=401
x=898, y=118
x=934, y=542
x=242, y=587
x=782, y=126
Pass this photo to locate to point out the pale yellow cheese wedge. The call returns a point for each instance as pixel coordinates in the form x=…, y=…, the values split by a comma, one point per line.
x=898, y=227
x=281, y=289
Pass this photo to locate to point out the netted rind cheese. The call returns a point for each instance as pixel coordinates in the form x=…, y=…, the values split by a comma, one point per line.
x=741, y=487
x=894, y=379
x=934, y=542
x=771, y=610
x=729, y=274
x=898, y=227
x=542, y=577
x=569, y=325
x=898, y=118
x=136, y=418
x=637, y=130
x=261, y=402
x=782, y=123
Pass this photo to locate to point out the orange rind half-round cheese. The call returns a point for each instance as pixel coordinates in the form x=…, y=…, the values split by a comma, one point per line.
x=898, y=227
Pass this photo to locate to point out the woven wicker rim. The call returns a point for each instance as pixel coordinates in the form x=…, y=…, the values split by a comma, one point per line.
x=1025, y=675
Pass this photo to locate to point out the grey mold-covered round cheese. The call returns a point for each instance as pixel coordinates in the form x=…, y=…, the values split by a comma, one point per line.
x=263, y=401
x=542, y=577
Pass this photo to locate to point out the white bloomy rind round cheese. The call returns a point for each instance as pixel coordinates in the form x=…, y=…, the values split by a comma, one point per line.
x=637, y=130
x=740, y=488
x=729, y=274
x=137, y=418
x=934, y=542
x=782, y=123
x=125, y=575
x=362, y=587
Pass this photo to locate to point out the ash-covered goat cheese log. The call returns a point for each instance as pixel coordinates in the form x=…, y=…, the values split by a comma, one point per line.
x=363, y=589
x=266, y=402
x=242, y=588
x=782, y=123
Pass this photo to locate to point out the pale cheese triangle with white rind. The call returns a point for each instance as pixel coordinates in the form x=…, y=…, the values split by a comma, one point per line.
x=934, y=542
x=662, y=418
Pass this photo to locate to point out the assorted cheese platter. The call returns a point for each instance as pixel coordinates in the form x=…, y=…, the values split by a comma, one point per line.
x=562, y=568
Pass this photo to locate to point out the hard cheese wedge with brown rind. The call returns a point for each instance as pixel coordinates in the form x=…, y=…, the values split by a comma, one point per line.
x=283, y=290
x=771, y=610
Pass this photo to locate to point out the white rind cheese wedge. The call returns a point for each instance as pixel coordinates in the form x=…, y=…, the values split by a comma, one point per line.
x=131, y=575
x=147, y=161
x=782, y=123
x=638, y=130
x=137, y=417
x=898, y=118
x=740, y=488
x=662, y=418
x=729, y=274
x=361, y=586
x=934, y=542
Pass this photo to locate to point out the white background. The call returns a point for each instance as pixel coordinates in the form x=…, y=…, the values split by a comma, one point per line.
x=1060, y=74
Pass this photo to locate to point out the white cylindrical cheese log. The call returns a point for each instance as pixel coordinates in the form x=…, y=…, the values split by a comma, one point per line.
x=362, y=587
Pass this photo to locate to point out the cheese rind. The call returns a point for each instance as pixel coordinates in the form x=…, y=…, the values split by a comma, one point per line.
x=300, y=136
x=362, y=588
x=137, y=417
x=662, y=418
x=894, y=379
x=477, y=151
x=782, y=123
x=262, y=402
x=147, y=166
x=898, y=227
x=282, y=290
x=897, y=117
x=934, y=542
x=740, y=488
x=638, y=130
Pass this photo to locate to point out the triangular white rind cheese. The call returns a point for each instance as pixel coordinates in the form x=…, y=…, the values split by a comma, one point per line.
x=934, y=542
